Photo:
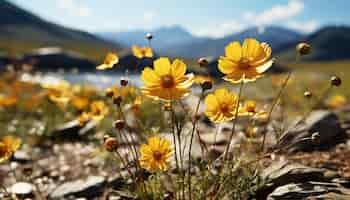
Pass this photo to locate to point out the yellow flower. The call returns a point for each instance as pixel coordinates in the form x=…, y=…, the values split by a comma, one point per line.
x=249, y=109
x=246, y=62
x=155, y=156
x=80, y=103
x=84, y=118
x=142, y=52
x=221, y=105
x=110, y=60
x=98, y=110
x=167, y=81
x=60, y=97
x=337, y=101
x=8, y=145
x=7, y=101
x=200, y=79
x=136, y=105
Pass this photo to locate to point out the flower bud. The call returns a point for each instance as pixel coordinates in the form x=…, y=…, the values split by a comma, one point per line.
x=203, y=62
x=110, y=144
x=149, y=36
x=117, y=100
x=167, y=106
x=207, y=85
x=196, y=117
x=109, y=92
x=335, y=81
x=303, y=48
x=119, y=124
x=307, y=94
x=124, y=82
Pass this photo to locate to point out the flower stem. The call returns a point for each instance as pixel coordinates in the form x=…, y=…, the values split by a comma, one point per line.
x=234, y=121
x=272, y=108
x=194, y=125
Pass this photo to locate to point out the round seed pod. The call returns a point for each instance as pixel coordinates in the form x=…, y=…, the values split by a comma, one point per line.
x=111, y=144
x=336, y=81
x=119, y=124
x=303, y=48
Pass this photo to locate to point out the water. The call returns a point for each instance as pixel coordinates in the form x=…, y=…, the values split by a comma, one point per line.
x=99, y=80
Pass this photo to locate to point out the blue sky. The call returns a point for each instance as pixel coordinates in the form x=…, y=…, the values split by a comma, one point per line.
x=213, y=18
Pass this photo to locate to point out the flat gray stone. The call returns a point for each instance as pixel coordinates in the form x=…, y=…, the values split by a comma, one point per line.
x=90, y=187
x=323, y=122
x=309, y=190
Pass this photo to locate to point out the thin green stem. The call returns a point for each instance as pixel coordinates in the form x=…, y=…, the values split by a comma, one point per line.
x=191, y=142
x=234, y=121
x=272, y=108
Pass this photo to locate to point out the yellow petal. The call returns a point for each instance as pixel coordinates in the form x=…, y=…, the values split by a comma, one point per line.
x=162, y=66
x=264, y=67
x=178, y=68
x=102, y=67
x=234, y=51
x=252, y=49
x=226, y=65
x=149, y=77
x=211, y=102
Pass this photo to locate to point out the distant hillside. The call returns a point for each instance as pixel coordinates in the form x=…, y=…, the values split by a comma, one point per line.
x=22, y=31
x=164, y=37
x=328, y=44
x=275, y=36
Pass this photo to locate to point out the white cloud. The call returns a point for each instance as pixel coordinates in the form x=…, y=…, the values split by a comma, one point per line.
x=74, y=7
x=149, y=16
x=276, y=13
x=220, y=30
x=304, y=27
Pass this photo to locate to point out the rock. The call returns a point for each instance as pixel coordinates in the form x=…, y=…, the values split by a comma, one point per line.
x=88, y=188
x=23, y=189
x=284, y=172
x=21, y=156
x=310, y=190
x=325, y=123
x=73, y=131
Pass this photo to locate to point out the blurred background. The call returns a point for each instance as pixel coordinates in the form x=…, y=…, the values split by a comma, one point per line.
x=71, y=36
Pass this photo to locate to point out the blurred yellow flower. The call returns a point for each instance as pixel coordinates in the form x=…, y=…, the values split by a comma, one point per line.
x=142, y=52
x=337, y=101
x=200, y=79
x=98, y=110
x=136, y=105
x=110, y=60
x=80, y=102
x=246, y=62
x=7, y=100
x=250, y=109
x=84, y=118
x=167, y=81
x=8, y=145
x=155, y=156
x=61, y=97
x=221, y=105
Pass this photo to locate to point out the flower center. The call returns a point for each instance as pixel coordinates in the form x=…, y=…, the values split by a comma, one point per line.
x=167, y=81
x=224, y=108
x=3, y=150
x=157, y=155
x=244, y=63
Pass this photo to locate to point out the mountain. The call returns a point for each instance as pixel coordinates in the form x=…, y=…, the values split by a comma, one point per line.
x=328, y=43
x=164, y=37
x=275, y=36
x=21, y=31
